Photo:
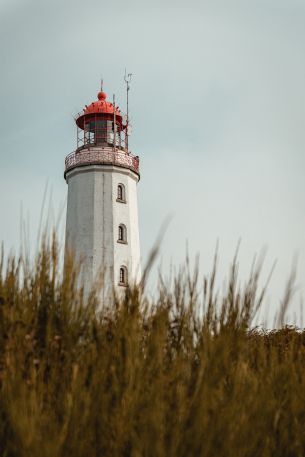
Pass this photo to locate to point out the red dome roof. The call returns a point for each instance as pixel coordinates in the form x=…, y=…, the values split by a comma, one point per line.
x=101, y=106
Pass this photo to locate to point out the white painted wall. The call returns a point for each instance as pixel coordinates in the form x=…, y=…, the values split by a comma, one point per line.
x=93, y=218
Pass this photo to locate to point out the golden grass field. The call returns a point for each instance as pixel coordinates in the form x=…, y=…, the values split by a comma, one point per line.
x=182, y=375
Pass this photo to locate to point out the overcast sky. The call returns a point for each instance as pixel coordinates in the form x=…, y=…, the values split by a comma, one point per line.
x=217, y=107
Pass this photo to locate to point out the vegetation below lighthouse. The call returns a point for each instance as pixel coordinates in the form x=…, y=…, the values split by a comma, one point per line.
x=178, y=376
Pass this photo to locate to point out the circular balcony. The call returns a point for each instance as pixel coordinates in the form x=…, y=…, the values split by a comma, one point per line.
x=101, y=156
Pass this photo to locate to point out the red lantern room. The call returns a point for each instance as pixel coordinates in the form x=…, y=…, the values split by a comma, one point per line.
x=101, y=124
x=102, y=137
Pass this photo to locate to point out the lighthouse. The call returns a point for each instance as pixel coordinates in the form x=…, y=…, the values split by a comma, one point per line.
x=102, y=230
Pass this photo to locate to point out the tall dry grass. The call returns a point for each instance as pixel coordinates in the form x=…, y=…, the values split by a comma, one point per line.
x=183, y=375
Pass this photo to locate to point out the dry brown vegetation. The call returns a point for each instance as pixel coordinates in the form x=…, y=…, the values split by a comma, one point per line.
x=182, y=376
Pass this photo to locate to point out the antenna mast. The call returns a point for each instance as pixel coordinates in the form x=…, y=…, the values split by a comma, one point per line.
x=127, y=79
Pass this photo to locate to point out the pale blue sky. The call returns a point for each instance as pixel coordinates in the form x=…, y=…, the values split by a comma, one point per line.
x=218, y=111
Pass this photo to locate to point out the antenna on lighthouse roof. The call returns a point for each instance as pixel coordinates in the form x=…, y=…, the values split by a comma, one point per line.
x=102, y=83
x=127, y=79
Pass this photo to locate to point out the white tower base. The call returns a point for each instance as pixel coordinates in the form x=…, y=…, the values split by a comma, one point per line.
x=94, y=214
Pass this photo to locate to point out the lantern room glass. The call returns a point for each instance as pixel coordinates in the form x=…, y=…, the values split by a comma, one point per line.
x=100, y=132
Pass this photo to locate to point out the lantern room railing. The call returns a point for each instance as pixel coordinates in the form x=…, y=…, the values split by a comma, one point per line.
x=102, y=156
x=101, y=131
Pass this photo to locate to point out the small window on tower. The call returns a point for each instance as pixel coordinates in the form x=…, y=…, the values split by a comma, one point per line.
x=123, y=276
x=121, y=194
x=122, y=235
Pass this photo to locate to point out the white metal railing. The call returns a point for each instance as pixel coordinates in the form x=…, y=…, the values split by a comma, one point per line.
x=102, y=156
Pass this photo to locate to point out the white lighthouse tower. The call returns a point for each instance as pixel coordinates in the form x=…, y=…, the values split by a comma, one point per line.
x=102, y=212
